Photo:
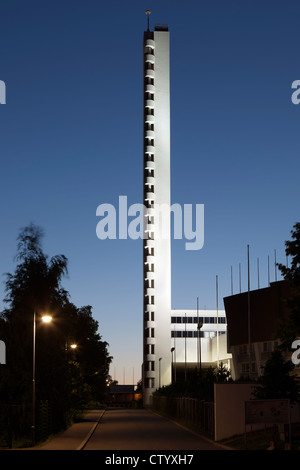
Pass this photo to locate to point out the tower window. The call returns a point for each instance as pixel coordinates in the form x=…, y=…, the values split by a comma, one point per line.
x=150, y=365
x=149, y=383
x=149, y=349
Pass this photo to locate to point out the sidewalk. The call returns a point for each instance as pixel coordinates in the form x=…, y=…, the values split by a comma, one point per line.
x=76, y=436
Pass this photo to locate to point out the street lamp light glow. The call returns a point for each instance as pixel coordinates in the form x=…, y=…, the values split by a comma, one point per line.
x=46, y=318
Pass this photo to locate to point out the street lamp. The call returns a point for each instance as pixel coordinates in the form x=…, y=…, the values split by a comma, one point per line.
x=172, y=351
x=45, y=319
x=199, y=326
x=159, y=370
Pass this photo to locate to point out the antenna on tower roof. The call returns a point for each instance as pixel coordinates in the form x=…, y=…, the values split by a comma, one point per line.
x=148, y=13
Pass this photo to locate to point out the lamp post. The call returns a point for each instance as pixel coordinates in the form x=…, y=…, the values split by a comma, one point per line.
x=172, y=351
x=199, y=326
x=45, y=319
x=159, y=370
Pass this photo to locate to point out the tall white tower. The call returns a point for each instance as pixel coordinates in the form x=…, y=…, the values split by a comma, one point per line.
x=156, y=246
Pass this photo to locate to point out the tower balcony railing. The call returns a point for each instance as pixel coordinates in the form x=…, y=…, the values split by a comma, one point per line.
x=149, y=133
x=149, y=104
x=149, y=72
x=149, y=275
x=148, y=374
x=149, y=88
x=149, y=324
x=149, y=165
x=149, y=180
x=149, y=244
x=150, y=43
x=150, y=357
x=149, y=212
x=149, y=259
x=150, y=308
x=149, y=149
x=148, y=224
x=148, y=49
x=149, y=118
x=149, y=57
x=150, y=196
x=150, y=291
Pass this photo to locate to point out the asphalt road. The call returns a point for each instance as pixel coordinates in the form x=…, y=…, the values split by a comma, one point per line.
x=129, y=429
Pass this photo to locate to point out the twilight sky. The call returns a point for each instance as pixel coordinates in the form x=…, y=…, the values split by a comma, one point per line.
x=71, y=139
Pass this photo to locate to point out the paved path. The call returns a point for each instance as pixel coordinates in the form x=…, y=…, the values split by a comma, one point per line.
x=129, y=429
x=76, y=436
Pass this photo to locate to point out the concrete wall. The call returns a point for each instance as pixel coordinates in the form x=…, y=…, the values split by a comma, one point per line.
x=230, y=408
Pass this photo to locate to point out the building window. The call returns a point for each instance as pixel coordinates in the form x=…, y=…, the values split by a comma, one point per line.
x=149, y=383
x=150, y=366
x=175, y=319
x=149, y=316
x=148, y=332
x=149, y=268
x=149, y=349
x=150, y=283
x=187, y=334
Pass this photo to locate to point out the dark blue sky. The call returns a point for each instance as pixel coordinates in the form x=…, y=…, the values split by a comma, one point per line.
x=71, y=139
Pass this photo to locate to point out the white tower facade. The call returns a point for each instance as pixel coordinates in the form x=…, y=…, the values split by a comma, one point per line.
x=156, y=245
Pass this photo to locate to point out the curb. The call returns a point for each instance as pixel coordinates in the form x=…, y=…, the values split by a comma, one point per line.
x=89, y=435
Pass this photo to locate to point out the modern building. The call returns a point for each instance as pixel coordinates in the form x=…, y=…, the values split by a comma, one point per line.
x=156, y=248
x=161, y=326
x=253, y=322
x=198, y=338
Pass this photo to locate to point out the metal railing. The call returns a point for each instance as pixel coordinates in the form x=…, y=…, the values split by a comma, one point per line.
x=192, y=411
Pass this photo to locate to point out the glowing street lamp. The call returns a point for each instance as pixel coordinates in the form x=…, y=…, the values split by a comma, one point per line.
x=45, y=319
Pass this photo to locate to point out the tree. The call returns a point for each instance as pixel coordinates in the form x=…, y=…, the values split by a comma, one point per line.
x=65, y=377
x=35, y=286
x=276, y=380
x=290, y=327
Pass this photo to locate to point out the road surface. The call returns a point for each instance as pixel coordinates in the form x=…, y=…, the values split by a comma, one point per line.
x=130, y=429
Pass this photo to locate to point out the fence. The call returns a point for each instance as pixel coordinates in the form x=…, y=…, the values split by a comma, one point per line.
x=15, y=423
x=192, y=411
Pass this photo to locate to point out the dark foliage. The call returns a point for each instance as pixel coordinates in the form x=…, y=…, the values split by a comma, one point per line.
x=290, y=329
x=276, y=380
x=65, y=377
